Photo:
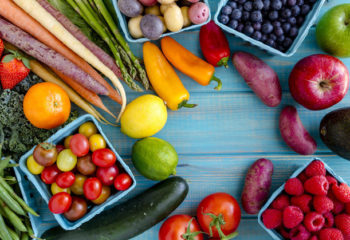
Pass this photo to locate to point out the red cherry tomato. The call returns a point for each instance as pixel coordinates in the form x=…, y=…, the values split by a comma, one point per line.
x=65, y=180
x=60, y=148
x=122, y=182
x=175, y=228
x=219, y=205
x=79, y=144
x=49, y=174
x=60, y=203
x=107, y=175
x=92, y=188
x=104, y=157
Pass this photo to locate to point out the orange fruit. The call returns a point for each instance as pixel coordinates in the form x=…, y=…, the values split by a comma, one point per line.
x=46, y=105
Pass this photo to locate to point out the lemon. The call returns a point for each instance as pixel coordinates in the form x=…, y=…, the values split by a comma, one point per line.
x=144, y=117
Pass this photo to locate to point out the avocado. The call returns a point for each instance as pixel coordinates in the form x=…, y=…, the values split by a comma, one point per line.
x=335, y=131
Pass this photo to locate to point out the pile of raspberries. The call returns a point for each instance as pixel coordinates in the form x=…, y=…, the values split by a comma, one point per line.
x=313, y=206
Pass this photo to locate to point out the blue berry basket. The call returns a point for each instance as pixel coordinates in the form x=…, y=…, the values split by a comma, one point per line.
x=124, y=25
x=273, y=233
x=303, y=30
x=44, y=190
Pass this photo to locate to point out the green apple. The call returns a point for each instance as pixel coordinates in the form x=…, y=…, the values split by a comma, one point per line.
x=333, y=31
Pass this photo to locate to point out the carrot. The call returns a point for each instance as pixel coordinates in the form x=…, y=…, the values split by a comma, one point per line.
x=20, y=18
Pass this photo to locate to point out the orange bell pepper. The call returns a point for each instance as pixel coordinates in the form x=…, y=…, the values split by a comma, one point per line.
x=164, y=79
x=188, y=63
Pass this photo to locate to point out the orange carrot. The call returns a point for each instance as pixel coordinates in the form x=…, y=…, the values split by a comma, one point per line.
x=13, y=13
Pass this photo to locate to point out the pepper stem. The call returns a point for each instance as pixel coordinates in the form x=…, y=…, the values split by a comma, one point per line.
x=218, y=87
x=223, y=62
x=186, y=105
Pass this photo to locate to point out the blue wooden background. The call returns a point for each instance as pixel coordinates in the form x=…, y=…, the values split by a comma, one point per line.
x=228, y=131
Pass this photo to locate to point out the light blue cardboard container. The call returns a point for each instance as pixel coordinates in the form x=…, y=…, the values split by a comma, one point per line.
x=274, y=234
x=44, y=190
x=303, y=31
x=124, y=25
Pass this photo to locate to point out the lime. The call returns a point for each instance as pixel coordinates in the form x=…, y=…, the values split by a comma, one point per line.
x=154, y=158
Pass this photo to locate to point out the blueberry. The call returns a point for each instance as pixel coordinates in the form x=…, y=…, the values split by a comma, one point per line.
x=248, y=30
x=256, y=16
x=305, y=9
x=312, y=1
x=241, y=1
x=267, y=4
x=287, y=42
x=232, y=4
x=240, y=7
x=248, y=6
x=295, y=10
x=286, y=13
x=292, y=20
x=293, y=32
x=226, y=10
x=300, y=2
x=276, y=24
x=300, y=20
x=224, y=19
x=273, y=15
x=245, y=16
x=240, y=27
x=257, y=26
x=258, y=4
x=263, y=38
x=233, y=24
x=236, y=14
x=292, y=2
x=257, y=35
x=279, y=31
x=281, y=38
x=276, y=4
x=267, y=28
x=286, y=27
x=270, y=42
x=273, y=36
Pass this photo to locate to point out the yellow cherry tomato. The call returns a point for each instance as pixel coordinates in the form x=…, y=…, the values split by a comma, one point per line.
x=56, y=189
x=34, y=167
x=67, y=141
x=66, y=160
x=106, y=192
x=77, y=187
x=97, y=142
x=88, y=129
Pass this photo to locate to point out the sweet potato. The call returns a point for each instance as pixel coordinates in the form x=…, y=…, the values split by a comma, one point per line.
x=257, y=185
x=294, y=133
x=262, y=79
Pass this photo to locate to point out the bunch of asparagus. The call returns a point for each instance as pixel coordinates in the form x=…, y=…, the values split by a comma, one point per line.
x=96, y=14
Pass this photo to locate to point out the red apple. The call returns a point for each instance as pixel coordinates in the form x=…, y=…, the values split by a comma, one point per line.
x=319, y=81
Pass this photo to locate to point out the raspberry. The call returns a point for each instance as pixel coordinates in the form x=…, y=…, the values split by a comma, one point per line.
x=281, y=202
x=315, y=168
x=302, y=177
x=331, y=180
x=284, y=232
x=292, y=216
x=317, y=185
x=347, y=208
x=341, y=192
x=294, y=187
x=314, y=237
x=303, y=202
x=338, y=206
x=313, y=221
x=342, y=222
x=330, y=234
x=272, y=218
x=329, y=220
x=299, y=233
x=323, y=204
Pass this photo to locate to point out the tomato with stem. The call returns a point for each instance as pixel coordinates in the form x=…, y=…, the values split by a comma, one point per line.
x=180, y=227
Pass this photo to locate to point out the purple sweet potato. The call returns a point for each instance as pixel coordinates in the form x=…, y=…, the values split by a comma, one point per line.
x=294, y=133
x=257, y=185
x=260, y=77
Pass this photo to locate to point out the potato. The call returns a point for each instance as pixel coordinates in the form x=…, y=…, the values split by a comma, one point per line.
x=166, y=1
x=135, y=28
x=163, y=21
x=155, y=10
x=130, y=8
x=173, y=18
x=294, y=133
x=151, y=26
x=262, y=79
x=148, y=3
x=187, y=3
x=187, y=21
x=164, y=7
x=257, y=185
x=199, y=13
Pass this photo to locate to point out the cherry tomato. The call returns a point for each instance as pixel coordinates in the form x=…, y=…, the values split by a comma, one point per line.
x=60, y=203
x=66, y=160
x=56, y=189
x=67, y=141
x=60, y=148
x=79, y=144
x=45, y=154
x=77, y=187
x=104, y=157
x=92, y=188
x=85, y=165
x=49, y=174
x=107, y=175
x=65, y=180
x=97, y=142
x=77, y=209
x=88, y=129
x=34, y=167
x=175, y=228
x=122, y=182
x=220, y=205
x=106, y=192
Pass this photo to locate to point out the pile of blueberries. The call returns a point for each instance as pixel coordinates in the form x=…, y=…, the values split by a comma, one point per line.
x=273, y=22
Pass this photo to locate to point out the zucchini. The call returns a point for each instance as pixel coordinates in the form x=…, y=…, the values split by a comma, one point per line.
x=131, y=218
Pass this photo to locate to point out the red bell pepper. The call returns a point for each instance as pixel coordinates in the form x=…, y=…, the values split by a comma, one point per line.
x=214, y=44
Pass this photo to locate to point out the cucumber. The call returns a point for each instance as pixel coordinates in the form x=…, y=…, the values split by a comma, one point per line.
x=132, y=218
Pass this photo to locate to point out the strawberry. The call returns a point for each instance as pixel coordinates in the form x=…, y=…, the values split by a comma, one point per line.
x=1, y=47
x=13, y=69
